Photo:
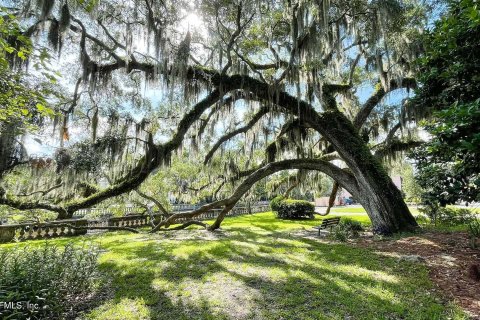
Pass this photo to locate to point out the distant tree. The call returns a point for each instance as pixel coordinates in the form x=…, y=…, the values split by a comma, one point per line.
x=449, y=164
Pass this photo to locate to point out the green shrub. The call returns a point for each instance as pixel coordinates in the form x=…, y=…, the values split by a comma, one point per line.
x=351, y=224
x=294, y=209
x=47, y=277
x=422, y=219
x=455, y=216
x=474, y=228
x=339, y=234
x=275, y=202
x=447, y=215
x=346, y=229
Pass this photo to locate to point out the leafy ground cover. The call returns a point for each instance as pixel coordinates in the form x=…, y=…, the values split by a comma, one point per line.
x=256, y=267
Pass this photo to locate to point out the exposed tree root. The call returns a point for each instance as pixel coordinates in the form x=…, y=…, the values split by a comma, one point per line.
x=185, y=225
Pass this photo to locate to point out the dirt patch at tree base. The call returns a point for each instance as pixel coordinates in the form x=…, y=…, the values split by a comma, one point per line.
x=449, y=258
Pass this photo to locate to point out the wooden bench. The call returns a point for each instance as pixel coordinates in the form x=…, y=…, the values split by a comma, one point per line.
x=328, y=223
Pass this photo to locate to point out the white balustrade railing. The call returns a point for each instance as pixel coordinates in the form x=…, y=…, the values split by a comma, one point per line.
x=61, y=228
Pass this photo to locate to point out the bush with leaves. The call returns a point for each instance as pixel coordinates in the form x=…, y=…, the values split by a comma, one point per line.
x=474, y=231
x=275, y=202
x=350, y=224
x=474, y=228
x=447, y=215
x=339, y=234
x=48, y=276
x=346, y=229
x=294, y=209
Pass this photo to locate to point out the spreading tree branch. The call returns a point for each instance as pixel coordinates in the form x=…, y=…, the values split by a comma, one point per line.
x=155, y=201
x=345, y=178
x=377, y=96
x=228, y=136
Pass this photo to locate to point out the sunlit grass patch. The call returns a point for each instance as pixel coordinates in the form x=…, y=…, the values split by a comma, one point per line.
x=267, y=221
x=125, y=308
x=348, y=209
x=361, y=210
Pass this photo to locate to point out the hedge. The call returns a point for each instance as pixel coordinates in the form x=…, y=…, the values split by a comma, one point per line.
x=275, y=202
x=292, y=209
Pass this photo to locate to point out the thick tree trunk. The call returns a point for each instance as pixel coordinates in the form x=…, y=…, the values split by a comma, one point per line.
x=382, y=201
x=386, y=208
x=376, y=192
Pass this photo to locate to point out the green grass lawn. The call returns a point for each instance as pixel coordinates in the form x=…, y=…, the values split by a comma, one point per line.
x=360, y=210
x=256, y=267
x=413, y=209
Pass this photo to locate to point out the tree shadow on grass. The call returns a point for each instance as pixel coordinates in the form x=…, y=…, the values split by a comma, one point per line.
x=256, y=276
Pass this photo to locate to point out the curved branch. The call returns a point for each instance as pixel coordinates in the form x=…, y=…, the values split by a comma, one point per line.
x=43, y=192
x=372, y=102
x=344, y=178
x=392, y=132
x=157, y=203
x=228, y=136
x=21, y=205
x=395, y=146
x=229, y=100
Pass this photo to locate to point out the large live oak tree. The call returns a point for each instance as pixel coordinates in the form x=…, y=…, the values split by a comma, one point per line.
x=296, y=65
